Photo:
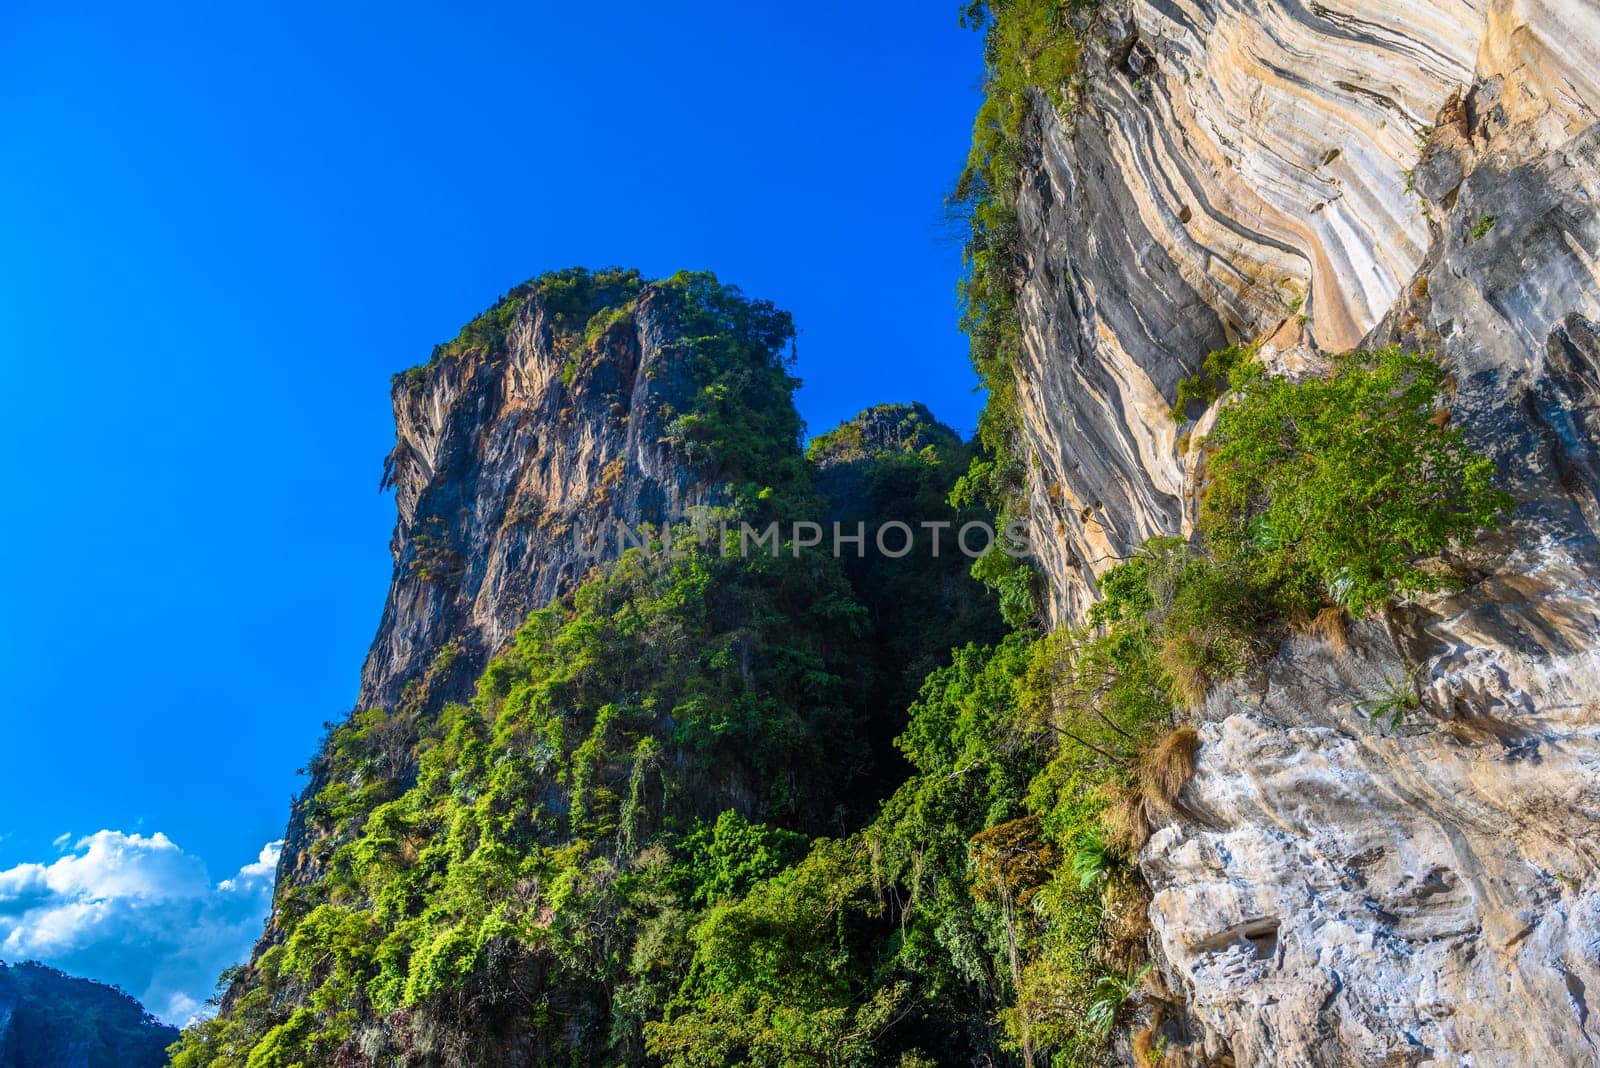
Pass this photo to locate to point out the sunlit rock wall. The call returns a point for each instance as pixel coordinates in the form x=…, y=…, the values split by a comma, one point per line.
x=1313, y=176
x=511, y=473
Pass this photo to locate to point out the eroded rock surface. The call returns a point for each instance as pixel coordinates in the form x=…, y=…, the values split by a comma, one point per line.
x=511, y=472
x=1322, y=177
x=517, y=466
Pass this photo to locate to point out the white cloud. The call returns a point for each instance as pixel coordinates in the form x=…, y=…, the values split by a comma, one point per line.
x=137, y=911
x=265, y=867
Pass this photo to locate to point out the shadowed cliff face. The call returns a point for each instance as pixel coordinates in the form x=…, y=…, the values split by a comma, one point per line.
x=1322, y=177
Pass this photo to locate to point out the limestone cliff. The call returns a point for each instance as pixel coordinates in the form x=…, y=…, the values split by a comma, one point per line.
x=522, y=878
x=522, y=449
x=514, y=461
x=1320, y=177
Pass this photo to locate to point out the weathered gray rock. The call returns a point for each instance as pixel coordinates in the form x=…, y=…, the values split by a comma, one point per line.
x=1334, y=892
x=515, y=467
x=510, y=482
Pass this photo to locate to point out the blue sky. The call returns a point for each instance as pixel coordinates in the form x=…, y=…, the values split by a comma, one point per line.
x=221, y=233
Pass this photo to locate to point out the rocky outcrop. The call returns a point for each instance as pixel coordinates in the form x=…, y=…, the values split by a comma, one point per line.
x=527, y=451
x=512, y=469
x=1320, y=177
x=884, y=429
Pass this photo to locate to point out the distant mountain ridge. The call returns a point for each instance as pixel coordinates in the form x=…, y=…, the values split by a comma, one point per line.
x=49, y=1019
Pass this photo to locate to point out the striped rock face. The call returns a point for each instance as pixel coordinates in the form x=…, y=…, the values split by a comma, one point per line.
x=1320, y=177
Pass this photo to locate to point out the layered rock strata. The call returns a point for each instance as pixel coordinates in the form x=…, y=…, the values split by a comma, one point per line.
x=1319, y=177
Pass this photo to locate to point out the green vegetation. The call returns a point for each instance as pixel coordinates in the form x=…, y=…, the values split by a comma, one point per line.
x=895, y=461
x=734, y=418
x=728, y=413
x=433, y=558
x=887, y=431
x=1215, y=378
x=571, y=864
x=655, y=835
x=989, y=904
x=556, y=835
x=605, y=320
x=1030, y=55
x=49, y=1018
x=1391, y=703
x=943, y=930
x=782, y=976
x=1111, y=993
x=573, y=297
x=1030, y=58
x=1334, y=489
x=1481, y=228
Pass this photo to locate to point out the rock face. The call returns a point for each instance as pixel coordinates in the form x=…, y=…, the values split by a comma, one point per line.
x=512, y=468
x=522, y=451
x=1320, y=177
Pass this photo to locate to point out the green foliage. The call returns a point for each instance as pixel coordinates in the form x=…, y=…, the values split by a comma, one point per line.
x=1030, y=53
x=884, y=432
x=728, y=858
x=1391, y=703
x=896, y=462
x=1333, y=489
x=1481, y=228
x=286, y=1045
x=994, y=478
x=956, y=907
x=821, y=962
x=1006, y=841
x=653, y=834
x=737, y=420
x=576, y=834
x=575, y=297
x=53, y=1018
x=534, y=838
x=972, y=764
x=605, y=320
x=600, y=824
x=1170, y=622
x=730, y=409
x=1066, y=942
x=605, y=855
x=1015, y=580
x=779, y=977
x=1092, y=860
x=980, y=839
x=432, y=555
x=1215, y=379
x=1111, y=993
